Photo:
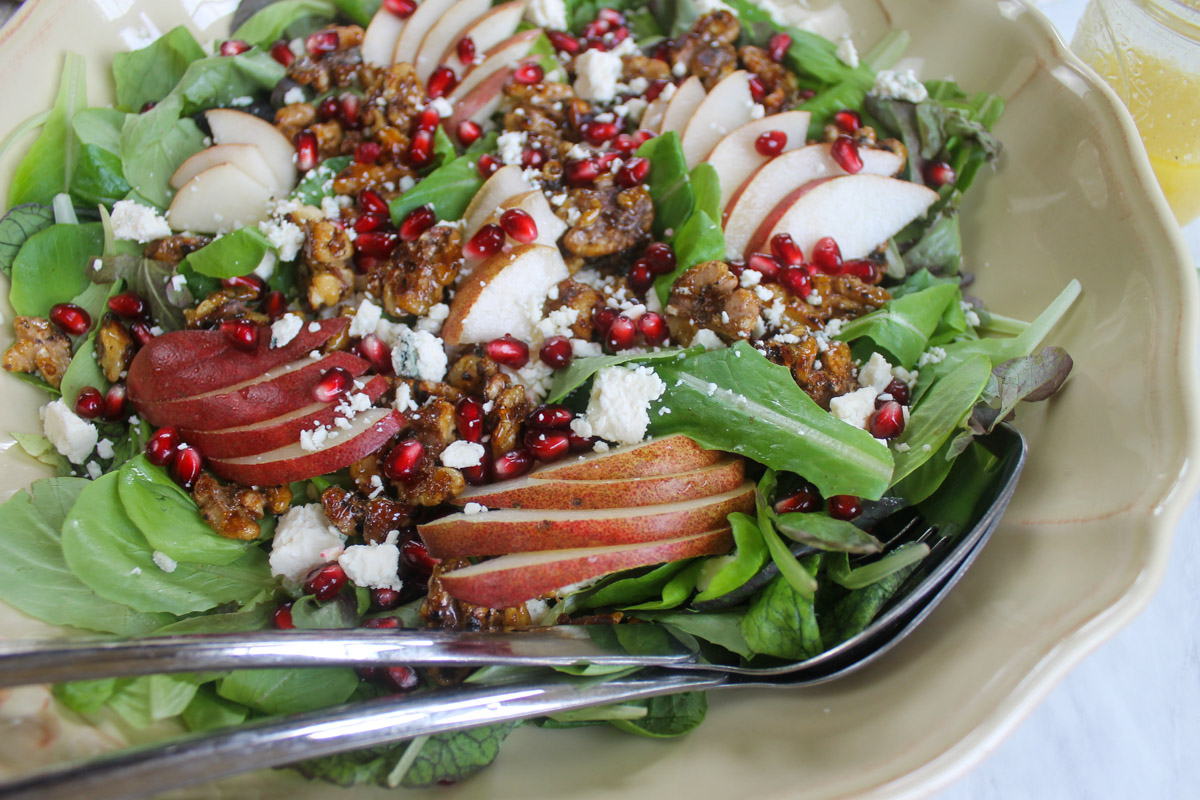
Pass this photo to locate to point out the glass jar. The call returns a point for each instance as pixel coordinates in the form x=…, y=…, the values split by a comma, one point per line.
x=1148, y=51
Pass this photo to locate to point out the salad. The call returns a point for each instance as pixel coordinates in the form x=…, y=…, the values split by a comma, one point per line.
x=488, y=316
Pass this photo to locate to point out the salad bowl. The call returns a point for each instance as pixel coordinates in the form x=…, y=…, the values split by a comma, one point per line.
x=1085, y=539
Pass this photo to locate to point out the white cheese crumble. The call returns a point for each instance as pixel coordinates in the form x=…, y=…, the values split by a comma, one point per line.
x=132, y=220
x=104, y=448
x=550, y=14
x=707, y=339
x=442, y=106
x=93, y=470
x=71, y=434
x=415, y=354
x=856, y=407
x=285, y=236
x=294, y=95
x=846, y=52
x=404, y=399
x=434, y=318
x=366, y=319
x=899, y=85
x=304, y=538
x=934, y=355
x=474, y=508
x=511, y=146
x=284, y=329
x=619, y=405
x=374, y=566
x=876, y=373
x=558, y=322
x=164, y=561
x=597, y=73
x=462, y=454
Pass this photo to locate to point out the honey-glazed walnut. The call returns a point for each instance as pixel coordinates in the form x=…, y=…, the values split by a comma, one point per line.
x=327, y=274
x=473, y=373
x=779, y=83
x=383, y=517
x=611, y=219
x=431, y=484
x=402, y=94
x=823, y=375
x=840, y=297
x=710, y=296
x=344, y=509
x=441, y=610
x=231, y=511
x=707, y=50
x=40, y=348
x=174, y=248
x=584, y=299
x=277, y=499
x=365, y=472
x=548, y=108
x=414, y=278
x=640, y=66
x=510, y=407
x=222, y=305
x=295, y=117
x=383, y=179
x=114, y=348
x=339, y=67
x=329, y=138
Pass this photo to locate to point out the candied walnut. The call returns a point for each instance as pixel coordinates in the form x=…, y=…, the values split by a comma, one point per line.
x=548, y=108
x=707, y=51
x=509, y=409
x=402, y=94
x=822, y=375
x=231, y=511
x=610, y=220
x=473, y=373
x=640, y=66
x=366, y=473
x=383, y=516
x=584, y=299
x=344, y=509
x=220, y=306
x=840, y=297
x=329, y=138
x=441, y=610
x=710, y=296
x=779, y=83
x=174, y=248
x=420, y=390
x=328, y=274
x=277, y=499
x=383, y=179
x=414, y=278
x=295, y=117
x=114, y=348
x=40, y=348
x=433, y=426
x=339, y=67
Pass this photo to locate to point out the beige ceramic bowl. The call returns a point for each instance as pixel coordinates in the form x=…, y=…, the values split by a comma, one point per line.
x=1080, y=551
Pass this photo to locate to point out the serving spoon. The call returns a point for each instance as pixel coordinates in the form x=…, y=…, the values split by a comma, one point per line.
x=274, y=742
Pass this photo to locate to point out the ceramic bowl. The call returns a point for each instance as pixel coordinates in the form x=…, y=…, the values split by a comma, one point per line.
x=1078, y=554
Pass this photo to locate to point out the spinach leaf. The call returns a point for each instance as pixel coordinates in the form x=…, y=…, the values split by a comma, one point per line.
x=581, y=370
x=38, y=447
x=254, y=617
x=454, y=756
x=443, y=148
x=668, y=182
x=288, y=691
x=735, y=399
x=152, y=280
x=208, y=711
x=359, y=11
x=147, y=75
x=721, y=628
x=749, y=555
x=17, y=226
x=85, y=697
x=903, y=326
x=781, y=622
x=47, y=168
x=699, y=239
x=340, y=612
x=153, y=145
x=626, y=591
x=318, y=183
x=152, y=698
x=853, y=613
x=826, y=533
x=231, y=255
x=448, y=189
x=83, y=371
x=51, y=267
x=837, y=566
x=98, y=179
x=793, y=571
x=269, y=23
x=667, y=716
x=676, y=590
x=939, y=248
x=219, y=80
x=706, y=188
x=34, y=577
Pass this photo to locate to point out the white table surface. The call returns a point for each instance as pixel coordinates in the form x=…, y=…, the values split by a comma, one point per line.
x=1124, y=723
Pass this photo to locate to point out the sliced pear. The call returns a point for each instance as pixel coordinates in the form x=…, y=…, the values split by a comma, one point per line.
x=379, y=40
x=495, y=298
x=534, y=203
x=230, y=126
x=506, y=182
x=487, y=31
x=727, y=107
x=735, y=157
x=683, y=104
x=218, y=200
x=652, y=117
x=415, y=28
x=246, y=157
x=444, y=34
x=501, y=57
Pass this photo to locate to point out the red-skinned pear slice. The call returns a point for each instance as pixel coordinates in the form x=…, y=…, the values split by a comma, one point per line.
x=486, y=32
x=480, y=104
x=186, y=363
x=512, y=579
x=781, y=176
x=504, y=183
x=728, y=106
x=667, y=455
x=419, y=23
x=530, y=492
x=495, y=533
x=368, y=432
x=535, y=204
x=859, y=211
x=246, y=157
x=274, y=393
x=493, y=300
x=444, y=33
x=380, y=37
x=218, y=200
x=735, y=158
x=684, y=102
x=246, y=440
x=501, y=58
x=230, y=126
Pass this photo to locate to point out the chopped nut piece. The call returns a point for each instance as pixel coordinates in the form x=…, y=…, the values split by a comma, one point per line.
x=610, y=219
x=415, y=277
x=710, y=296
x=779, y=83
x=327, y=271
x=584, y=299
x=231, y=511
x=841, y=297
x=278, y=499
x=40, y=348
x=707, y=51
x=385, y=516
x=344, y=509
x=441, y=610
x=114, y=348
x=174, y=248
x=823, y=375
x=220, y=306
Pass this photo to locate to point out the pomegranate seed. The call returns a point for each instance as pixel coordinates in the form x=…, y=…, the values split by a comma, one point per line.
x=624, y=143
x=348, y=110
x=553, y=416
x=533, y=157
x=146, y=106
x=757, y=90
x=845, y=152
x=468, y=419
x=633, y=172
x=596, y=29
x=376, y=351
x=383, y=600
x=377, y=244
x=597, y=133
x=241, y=333
x=563, y=42
x=367, y=152
x=805, y=501
x=581, y=173
x=547, y=445
x=939, y=173
x=771, y=143
x=401, y=679
x=861, y=268
x=185, y=468
x=70, y=318
x=141, y=333
x=163, y=446
x=364, y=263
x=778, y=46
x=899, y=391
x=603, y=320
x=641, y=278
x=785, y=249
x=528, y=74
x=468, y=132
x=844, y=506
x=328, y=108
x=234, y=47
x=281, y=52
x=369, y=223
x=416, y=557
x=519, y=225
x=509, y=351
x=611, y=16
x=653, y=328
x=274, y=305
x=660, y=256
x=420, y=150
x=512, y=464
x=466, y=49
x=478, y=475
x=654, y=90
x=767, y=265
x=89, y=402
x=737, y=267
x=114, y=402
x=383, y=623
x=250, y=286
x=556, y=352
x=417, y=222
x=615, y=37
x=888, y=421
x=325, y=581
x=487, y=164
x=307, y=154
x=796, y=281
x=621, y=334
x=333, y=384
x=827, y=256
x=127, y=305
x=581, y=444
x=428, y=119
x=322, y=42
x=487, y=241
x=281, y=618
x=848, y=120
x=370, y=202
x=404, y=461
x=806, y=94
x=401, y=8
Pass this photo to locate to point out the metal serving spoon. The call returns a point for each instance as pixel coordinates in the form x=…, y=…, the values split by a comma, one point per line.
x=276, y=742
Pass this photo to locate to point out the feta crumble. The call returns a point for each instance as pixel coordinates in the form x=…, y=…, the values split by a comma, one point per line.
x=415, y=354
x=71, y=434
x=597, y=73
x=104, y=448
x=285, y=236
x=856, y=407
x=366, y=319
x=474, y=508
x=550, y=14
x=876, y=373
x=284, y=329
x=846, y=52
x=891, y=84
x=304, y=538
x=132, y=220
x=462, y=454
x=374, y=566
x=619, y=406
x=164, y=562
x=294, y=95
